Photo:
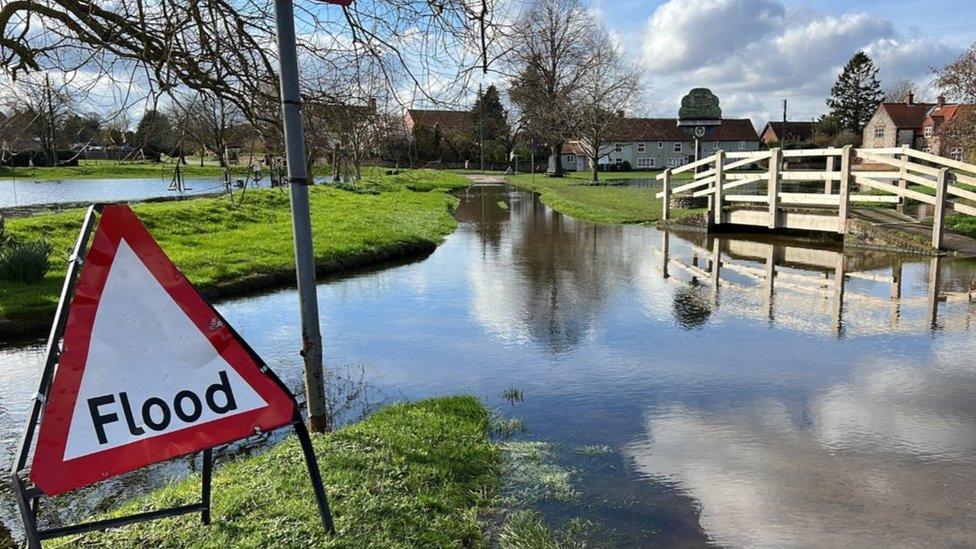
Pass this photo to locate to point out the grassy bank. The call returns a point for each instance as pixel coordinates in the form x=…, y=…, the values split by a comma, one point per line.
x=226, y=248
x=599, y=204
x=419, y=475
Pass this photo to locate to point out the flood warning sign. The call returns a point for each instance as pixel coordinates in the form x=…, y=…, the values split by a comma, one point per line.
x=148, y=369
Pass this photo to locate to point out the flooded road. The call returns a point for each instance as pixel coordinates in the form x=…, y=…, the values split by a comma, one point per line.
x=750, y=391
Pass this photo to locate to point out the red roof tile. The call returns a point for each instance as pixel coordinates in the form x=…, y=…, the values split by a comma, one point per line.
x=907, y=116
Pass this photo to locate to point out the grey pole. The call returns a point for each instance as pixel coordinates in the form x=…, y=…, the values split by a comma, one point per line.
x=291, y=110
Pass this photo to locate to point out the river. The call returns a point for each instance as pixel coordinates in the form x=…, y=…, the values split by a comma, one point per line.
x=828, y=405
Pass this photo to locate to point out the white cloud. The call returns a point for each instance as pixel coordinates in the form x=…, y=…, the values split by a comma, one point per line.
x=753, y=53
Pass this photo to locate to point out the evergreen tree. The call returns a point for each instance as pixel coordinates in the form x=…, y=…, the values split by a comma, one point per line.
x=857, y=93
x=155, y=134
x=488, y=110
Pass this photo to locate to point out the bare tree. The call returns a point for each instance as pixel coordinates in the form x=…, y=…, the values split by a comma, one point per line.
x=900, y=91
x=958, y=79
x=603, y=97
x=549, y=58
x=41, y=106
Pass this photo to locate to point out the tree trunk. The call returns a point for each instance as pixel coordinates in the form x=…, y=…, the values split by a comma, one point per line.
x=595, y=167
x=557, y=165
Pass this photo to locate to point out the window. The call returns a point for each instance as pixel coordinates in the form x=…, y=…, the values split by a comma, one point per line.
x=879, y=132
x=742, y=145
x=675, y=161
x=618, y=147
x=660, y=144
x=956, y=154
x=677, y=146
x=928, y=132
x=927, y=150
x=640, y=147
x=644, y=163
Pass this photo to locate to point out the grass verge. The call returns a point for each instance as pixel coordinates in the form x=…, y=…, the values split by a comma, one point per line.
x=599, y=204
x=411, y=475
x=225, y=248
x=110, y=169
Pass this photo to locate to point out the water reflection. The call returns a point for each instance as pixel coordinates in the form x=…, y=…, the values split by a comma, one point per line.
x=801, y=284
x=885, y=458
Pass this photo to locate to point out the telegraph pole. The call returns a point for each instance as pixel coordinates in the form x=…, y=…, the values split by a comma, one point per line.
x=298, y=182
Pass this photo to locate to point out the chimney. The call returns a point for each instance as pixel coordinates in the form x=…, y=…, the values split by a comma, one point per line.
x=941, y=101
x=911, y=98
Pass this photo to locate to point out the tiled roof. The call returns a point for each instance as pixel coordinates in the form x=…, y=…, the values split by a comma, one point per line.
x=795, y=130
x=907, y=116
x=573, y=147
x=454, y=120
x=666, y=129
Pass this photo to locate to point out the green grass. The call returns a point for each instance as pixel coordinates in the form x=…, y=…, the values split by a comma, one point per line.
x=598, y=204
x=412, y=475
x=224, y=248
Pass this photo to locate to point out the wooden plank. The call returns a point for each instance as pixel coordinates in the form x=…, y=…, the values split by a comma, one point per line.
x=938, y=219
x=738, y=183
x=829, y=183
x=691, y=166
x=833, y=151
x=913, y=166
x=665, y=194
x=746, y=198
x=913, y=177
x=728, y=167
x=903, y=179
x=775, y=164
x=685, y=187
x=756, y=155
x=812, y=199
x=894, y=189
x=718, y=204
x=929, y=157
x=874, y=199
x=809, y=176
x=962, y=208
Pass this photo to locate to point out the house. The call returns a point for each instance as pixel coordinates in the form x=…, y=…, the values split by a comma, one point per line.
x=937, y=138
x=447, y=121
x=793, y=132
x=658, y=143
x=896, y=124
x=921, y=126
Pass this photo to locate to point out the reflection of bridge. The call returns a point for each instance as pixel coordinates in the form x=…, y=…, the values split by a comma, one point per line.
x=763, y=198
x=797, y=282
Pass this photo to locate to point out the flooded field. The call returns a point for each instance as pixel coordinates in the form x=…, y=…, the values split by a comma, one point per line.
x=741, y=390
x=24, y=192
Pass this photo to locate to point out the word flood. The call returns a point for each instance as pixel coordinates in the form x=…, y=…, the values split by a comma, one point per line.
x=156, y=413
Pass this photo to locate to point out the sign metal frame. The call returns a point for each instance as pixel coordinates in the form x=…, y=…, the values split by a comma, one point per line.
x=28, y=496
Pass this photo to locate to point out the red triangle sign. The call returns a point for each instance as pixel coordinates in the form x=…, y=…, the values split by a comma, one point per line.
x=148, y=369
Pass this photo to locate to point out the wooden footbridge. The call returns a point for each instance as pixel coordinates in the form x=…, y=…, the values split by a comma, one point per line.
x=777, y=189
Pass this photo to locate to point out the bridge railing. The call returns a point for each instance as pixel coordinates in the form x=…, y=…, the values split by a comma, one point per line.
x=891, y=176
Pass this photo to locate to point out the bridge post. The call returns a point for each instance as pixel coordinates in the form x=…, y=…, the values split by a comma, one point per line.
x=844, y=206
x=938, y=221
x=829, y=183
x=666, y=207
x=775, y=164
x=718, y=204
x=902, y=182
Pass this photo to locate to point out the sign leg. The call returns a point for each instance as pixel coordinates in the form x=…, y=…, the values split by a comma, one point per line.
x=26, y=513
x=315, y=475
x=205, y=491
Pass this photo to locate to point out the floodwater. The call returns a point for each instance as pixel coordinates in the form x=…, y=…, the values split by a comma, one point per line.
x=25, y=192
x=830, y=404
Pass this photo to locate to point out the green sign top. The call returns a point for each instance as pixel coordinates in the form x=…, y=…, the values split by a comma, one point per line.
x=700, y=104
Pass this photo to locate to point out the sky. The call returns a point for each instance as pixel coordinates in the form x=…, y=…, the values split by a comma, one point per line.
x=755, y=53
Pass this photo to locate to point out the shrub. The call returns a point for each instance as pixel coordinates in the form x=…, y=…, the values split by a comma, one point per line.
x=3, y=234
x=26, y=261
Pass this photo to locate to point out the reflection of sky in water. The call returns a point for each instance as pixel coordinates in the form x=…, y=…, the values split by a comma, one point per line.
x=734, y=418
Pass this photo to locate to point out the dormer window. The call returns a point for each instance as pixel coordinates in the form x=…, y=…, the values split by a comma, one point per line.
x=879, y=132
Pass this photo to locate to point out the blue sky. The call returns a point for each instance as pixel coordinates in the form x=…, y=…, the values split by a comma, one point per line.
x=754, y=53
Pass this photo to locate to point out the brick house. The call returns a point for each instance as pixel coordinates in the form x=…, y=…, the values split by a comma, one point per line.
x=658, y=143
x=793, y=132
x=896, y=124
x=936, y=140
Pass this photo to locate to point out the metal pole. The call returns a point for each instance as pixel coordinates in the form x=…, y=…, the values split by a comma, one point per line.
x=318, y=412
